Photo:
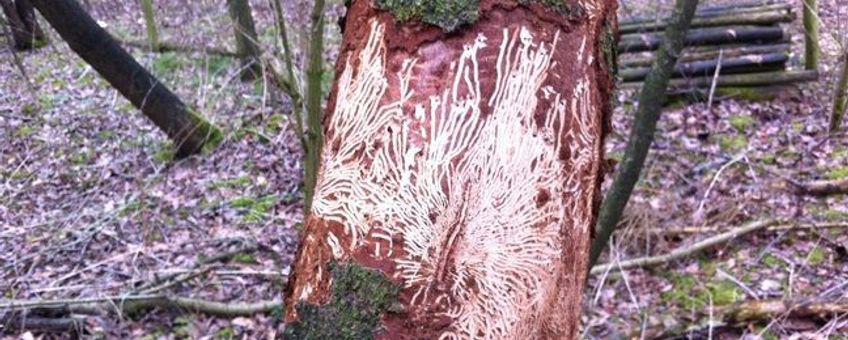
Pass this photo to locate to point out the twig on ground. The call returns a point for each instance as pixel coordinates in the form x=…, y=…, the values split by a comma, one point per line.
x=134, y=303
x=767, y=310
x=685, y=251
x=165, y=46
x=781, y=227
x=824, y=187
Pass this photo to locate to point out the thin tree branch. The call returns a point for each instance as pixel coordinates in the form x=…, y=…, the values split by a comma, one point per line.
x=685, y=251
x=651, y=101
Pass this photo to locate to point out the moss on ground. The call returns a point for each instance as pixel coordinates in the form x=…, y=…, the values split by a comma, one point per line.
x=741, y=123
x=359, y=299
x=837, y=173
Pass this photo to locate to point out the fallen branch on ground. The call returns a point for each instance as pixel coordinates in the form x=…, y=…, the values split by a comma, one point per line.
x=165, y=46
x=824, y=187
x=771, y=309
x=780, y=227
x=685, y=251
x=135, y=303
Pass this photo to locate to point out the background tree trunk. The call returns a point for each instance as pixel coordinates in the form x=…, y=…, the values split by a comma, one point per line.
x=26, y=33
x=459, y=173
x=840, y=99
x=190, y=132
x=651, y=101
x=811, y=34
x=246, y=40
x=150, y=24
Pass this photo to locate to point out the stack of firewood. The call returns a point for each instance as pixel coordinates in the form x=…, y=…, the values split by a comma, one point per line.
x=741, y=48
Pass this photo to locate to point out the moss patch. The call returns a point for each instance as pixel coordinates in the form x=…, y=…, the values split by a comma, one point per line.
x=838, y=173
x=359, y=299
x=211, y=134
x=741, y=123
x=447, y=14
x=816, y=257
x=451, y=14
x=733, y=143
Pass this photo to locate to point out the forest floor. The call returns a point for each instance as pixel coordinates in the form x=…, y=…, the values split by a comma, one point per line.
x=91, y=204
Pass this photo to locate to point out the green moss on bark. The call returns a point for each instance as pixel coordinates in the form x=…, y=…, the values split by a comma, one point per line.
x=359, y=299
x=210, y=134
x=451, y=14
x=447, y=14
x=610, y=47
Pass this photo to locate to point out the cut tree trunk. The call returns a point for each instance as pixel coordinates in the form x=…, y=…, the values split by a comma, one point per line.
x=704, y=36
x=747, y=63
x=190, y=132
x=459, y=174
x=26, y=33
x=712, y=52
x=780, y=15
x=247, y=43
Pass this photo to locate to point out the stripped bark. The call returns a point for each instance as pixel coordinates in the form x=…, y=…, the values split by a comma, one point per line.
x=462, y=168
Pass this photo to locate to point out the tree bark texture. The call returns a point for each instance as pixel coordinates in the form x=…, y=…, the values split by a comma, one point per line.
x=26, y=33
x=462, y=167
x=247, y=43
x=190, y=132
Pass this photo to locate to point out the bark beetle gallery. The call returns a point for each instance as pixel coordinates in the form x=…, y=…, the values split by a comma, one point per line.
x=465, y=167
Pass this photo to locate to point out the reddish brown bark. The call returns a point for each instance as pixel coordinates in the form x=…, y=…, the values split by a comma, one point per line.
x=464, y=166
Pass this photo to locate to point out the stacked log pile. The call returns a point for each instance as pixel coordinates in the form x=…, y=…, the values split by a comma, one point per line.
x=738, y=50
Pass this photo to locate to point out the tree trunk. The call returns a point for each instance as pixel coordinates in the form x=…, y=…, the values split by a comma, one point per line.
x=247, y=44
x=190, y=132
x=811, y=34
x=651, y=100
x=840, y=99
x=460, y=173
x=26, y=33
x=150, y=24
